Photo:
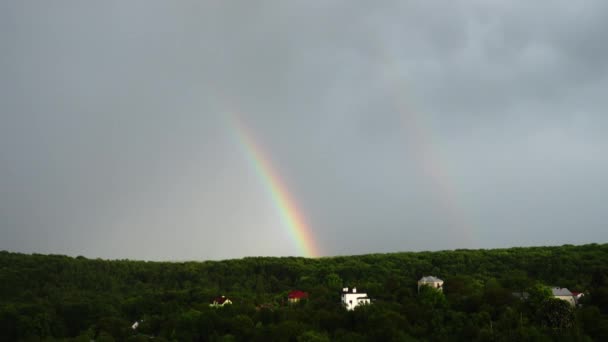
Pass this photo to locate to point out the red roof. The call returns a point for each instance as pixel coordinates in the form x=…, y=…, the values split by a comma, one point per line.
x=297, y=294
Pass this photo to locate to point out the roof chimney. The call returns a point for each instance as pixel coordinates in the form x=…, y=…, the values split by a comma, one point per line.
x=354, y=290
x=345, y=289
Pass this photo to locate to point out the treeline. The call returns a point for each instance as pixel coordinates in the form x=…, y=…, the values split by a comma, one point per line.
x=53, y=297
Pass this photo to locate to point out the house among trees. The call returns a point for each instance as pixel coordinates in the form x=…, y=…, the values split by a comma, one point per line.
x=431, y=281
x=351, y=298
x=220, y=302
x=296, y=295
x=563, y=294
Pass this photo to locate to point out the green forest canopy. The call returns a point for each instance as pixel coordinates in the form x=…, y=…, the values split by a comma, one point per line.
x=47, y=297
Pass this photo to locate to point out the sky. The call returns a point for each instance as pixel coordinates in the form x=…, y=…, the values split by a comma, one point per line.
x=392, y=125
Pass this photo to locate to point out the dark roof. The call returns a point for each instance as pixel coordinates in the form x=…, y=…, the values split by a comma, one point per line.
x=297, y=294
x=220, y=300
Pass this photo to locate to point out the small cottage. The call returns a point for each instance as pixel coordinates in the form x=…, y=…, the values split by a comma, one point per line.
x=296, y=296
x=431, y=281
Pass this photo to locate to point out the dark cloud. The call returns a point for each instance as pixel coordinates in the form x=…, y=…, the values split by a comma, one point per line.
x=395, y=126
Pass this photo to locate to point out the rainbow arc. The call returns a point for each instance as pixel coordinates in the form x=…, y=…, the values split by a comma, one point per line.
x=290, y=215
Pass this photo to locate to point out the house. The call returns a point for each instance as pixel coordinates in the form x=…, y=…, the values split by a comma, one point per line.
x=220, y=302
x=431, y=281
x=351, y=298
x=296, y=296
x=563, y=294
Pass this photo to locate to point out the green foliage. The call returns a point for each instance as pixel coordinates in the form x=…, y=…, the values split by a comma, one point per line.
x=313, y=336
x=431, y=297
x=539, y=293
x=556, y=313
x=53, y=297
x=333, y=281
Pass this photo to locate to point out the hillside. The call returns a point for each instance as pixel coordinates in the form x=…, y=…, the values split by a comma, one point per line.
x=52, y=296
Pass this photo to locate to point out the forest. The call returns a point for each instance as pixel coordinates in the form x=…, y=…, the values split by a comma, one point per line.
x=61, y=298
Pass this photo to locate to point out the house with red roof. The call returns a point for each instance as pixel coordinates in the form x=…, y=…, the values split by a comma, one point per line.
x=220, y=302
x=296, y=296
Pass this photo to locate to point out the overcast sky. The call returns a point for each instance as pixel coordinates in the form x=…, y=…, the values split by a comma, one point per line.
x=395, y=125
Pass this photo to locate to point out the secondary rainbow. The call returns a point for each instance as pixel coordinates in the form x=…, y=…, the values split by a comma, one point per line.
x=422, y=139
x=291, y=217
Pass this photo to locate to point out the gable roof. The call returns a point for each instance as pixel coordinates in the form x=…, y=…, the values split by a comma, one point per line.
x=430, y=279
x=561, y=291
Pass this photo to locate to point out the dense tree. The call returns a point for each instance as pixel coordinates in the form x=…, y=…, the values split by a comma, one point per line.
x=431, y=297
x=46, y=297
x=556, y=313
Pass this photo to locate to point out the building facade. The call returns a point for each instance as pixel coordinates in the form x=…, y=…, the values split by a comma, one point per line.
x=351, y=298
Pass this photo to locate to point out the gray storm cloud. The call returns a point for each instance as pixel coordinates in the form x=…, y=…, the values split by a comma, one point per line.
x=395, y=126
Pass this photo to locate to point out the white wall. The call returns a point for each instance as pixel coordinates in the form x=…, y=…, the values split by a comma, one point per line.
x=569, y=299
x=352, y=300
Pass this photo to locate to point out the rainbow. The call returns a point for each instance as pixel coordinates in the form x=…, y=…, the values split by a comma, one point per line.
x=291, y=217
x=435, y=167
x=428, y=157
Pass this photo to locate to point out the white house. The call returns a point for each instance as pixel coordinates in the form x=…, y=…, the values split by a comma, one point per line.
x=431, y=281
x=563, y=294
x=351, y=298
